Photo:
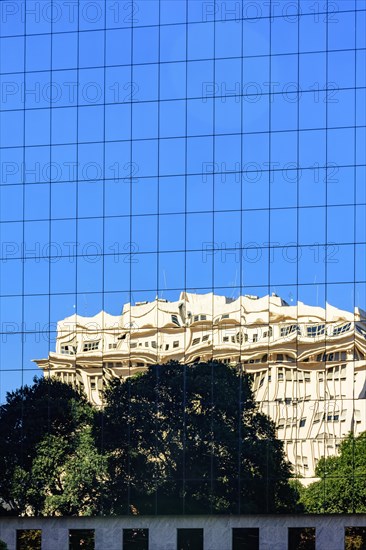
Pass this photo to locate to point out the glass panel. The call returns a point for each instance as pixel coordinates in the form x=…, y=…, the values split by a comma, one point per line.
x=355, y=537
x=81, y=538
x=135, y=539
x=29, y=539
x=182, y=182
x=245, y=538
x=301, y=538
x=189, y=539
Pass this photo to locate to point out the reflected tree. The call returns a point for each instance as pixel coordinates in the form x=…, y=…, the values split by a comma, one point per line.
x=175, y=439
x=49, y=464
x=190, y=439
x=341, y=488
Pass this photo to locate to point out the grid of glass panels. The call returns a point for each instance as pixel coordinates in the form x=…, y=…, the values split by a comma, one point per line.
x=150, y=148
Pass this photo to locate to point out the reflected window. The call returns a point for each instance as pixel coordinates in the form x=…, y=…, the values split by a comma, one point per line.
x=285, y=331
x=315, y=330
x=341, y=329
x=68, y=350
x=91, y=346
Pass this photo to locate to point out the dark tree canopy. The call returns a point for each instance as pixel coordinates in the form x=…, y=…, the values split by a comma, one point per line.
x=189, y=439
x=175, y=439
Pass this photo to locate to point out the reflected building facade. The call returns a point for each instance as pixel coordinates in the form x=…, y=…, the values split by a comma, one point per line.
x=308, y=363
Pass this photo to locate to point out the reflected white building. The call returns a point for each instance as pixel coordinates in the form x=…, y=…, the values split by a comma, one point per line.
x=308, y=363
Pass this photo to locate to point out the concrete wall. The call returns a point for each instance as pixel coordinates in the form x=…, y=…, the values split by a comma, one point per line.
x=163, y=530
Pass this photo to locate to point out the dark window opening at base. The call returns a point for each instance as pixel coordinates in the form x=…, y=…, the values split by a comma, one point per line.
x=245, y=538
x=301, y=538
x=355, y=538
x=135, y=539
x=29, y=539
x=190, y=539
x=81, y=539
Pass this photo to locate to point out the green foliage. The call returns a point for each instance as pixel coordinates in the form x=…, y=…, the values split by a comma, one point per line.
x=176, y=439
x=3, y=546
x=66, y=478
x=342, y=484
x=49, y=462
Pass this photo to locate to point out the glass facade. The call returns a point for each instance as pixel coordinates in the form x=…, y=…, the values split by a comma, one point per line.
x=200, y=167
